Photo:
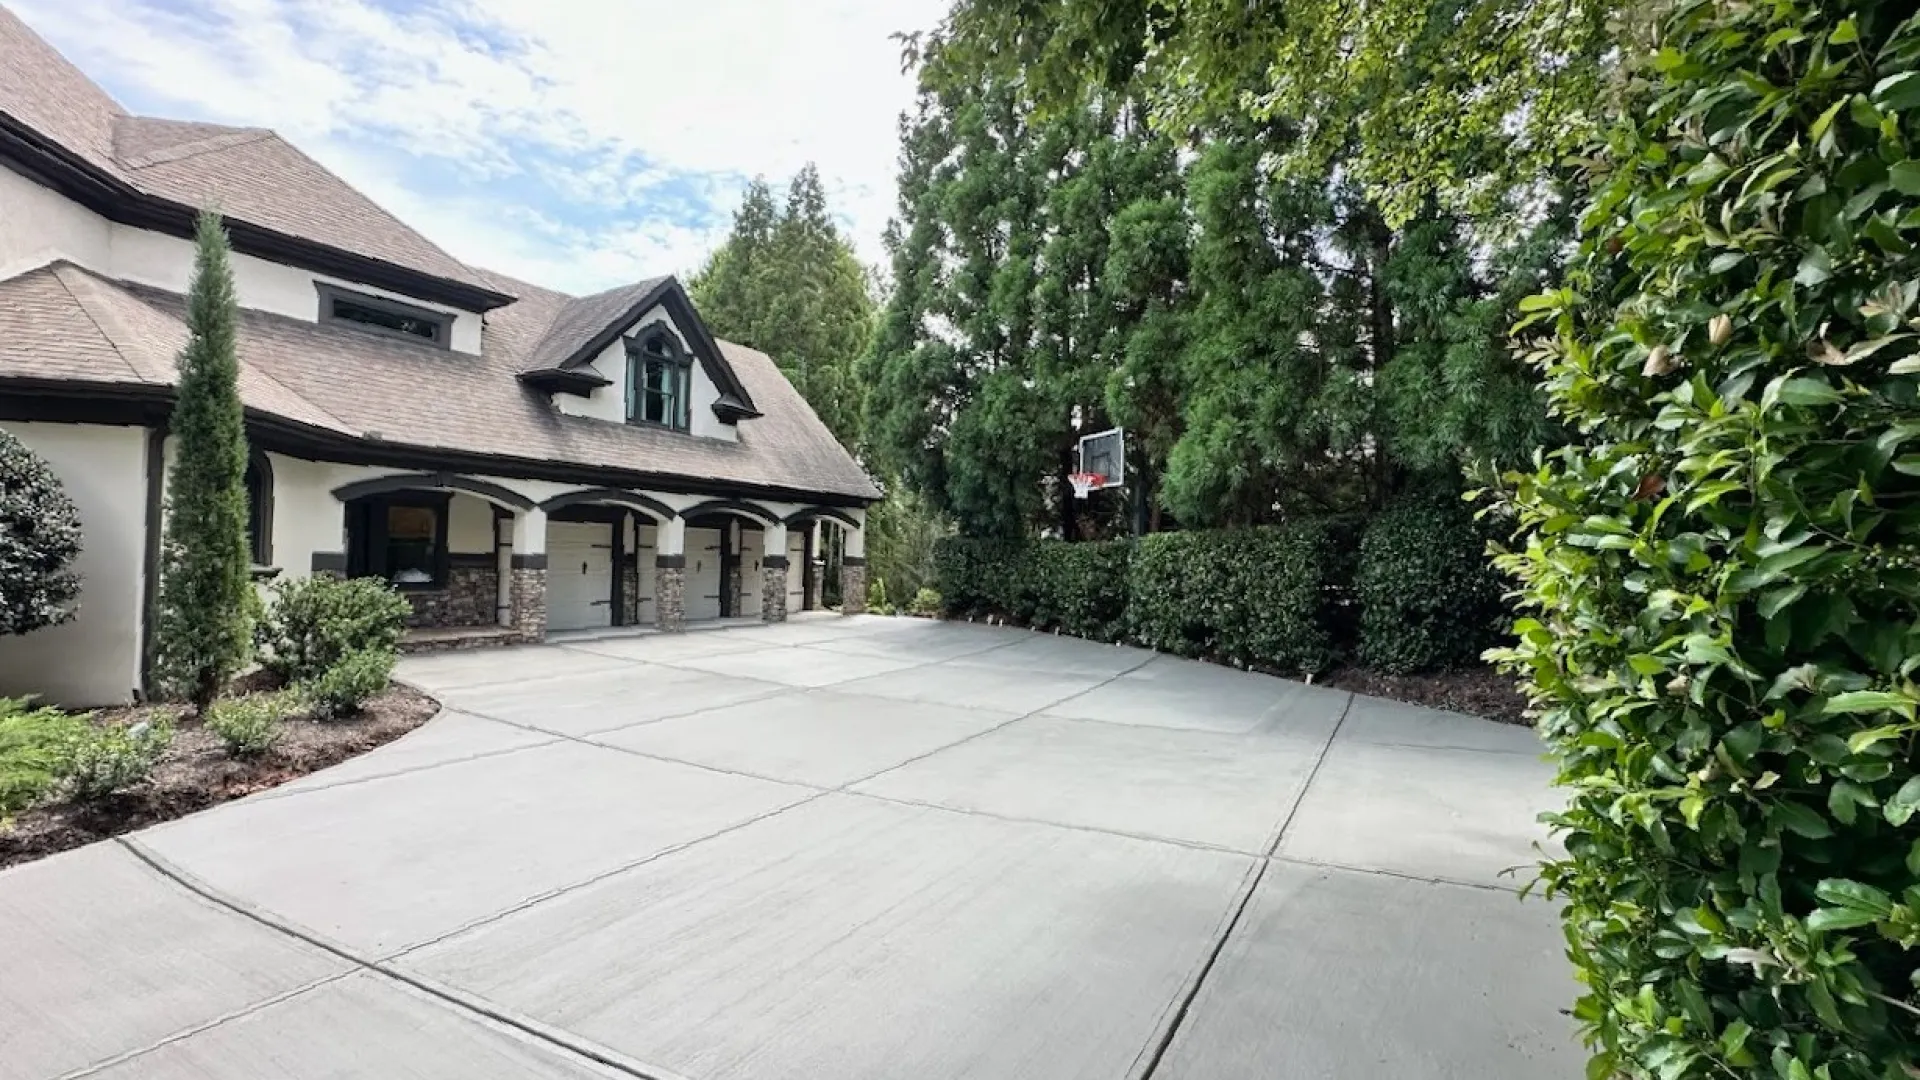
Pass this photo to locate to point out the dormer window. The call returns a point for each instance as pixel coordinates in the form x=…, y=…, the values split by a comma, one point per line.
x=383, y=316
x=659, y=381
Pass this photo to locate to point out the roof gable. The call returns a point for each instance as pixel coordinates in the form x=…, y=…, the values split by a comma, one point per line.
x=584, y=329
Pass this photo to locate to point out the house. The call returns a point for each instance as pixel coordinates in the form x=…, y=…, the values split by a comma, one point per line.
x=514, y=459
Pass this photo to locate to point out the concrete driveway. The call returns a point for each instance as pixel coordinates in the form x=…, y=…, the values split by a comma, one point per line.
x=859, y=849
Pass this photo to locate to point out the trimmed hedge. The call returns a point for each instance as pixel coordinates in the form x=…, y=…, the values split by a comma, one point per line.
x=1428, y=596
x=1272, y=598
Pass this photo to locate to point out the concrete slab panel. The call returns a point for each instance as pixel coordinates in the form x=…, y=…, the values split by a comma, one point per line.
x=1192, y=786
x=1338, y=974
x=362, y=1025
x=924, y=647
x=635, y=693
x=796, y=667
x=1394, y=723
x=451, y=736
x=436, y=672
x=101, y=956
x=400, y=860
x=861, y=940
x=1454, y=815
x=819, y=737
x=1193, y=696
x=1010, y=691
x=666, y=648
x=1031, y=651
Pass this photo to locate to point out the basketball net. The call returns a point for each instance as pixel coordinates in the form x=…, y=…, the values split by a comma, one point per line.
x=1084, y=483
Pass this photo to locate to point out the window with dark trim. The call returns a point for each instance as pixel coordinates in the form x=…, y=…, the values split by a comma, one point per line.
x=259, y=483
x=383, y=316
x=659, y=381
x=401, y=538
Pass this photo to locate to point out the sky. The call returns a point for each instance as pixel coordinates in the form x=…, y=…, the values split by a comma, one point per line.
x=572, y=143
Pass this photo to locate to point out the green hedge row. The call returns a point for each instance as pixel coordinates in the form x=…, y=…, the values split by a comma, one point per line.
x=1409, y=591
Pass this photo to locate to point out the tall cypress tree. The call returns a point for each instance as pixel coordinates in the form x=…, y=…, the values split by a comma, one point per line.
x=203, y=625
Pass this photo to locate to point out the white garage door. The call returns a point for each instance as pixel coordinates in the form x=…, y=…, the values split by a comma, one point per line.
x=579, y=575
x=796, y=570
x=703, y=573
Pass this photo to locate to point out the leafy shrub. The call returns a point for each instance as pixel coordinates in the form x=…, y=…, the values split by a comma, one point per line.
x=109, y=759
x=1721, y=577
x=249, y=726
x=1428, y=598
x=343, y=688
x=39, y=539
x=1080, y=588
x=314, y=623
x=34, y=749
x=877, y=596
x=925, y=602
x=1268, y=597
x=901, y=534
x=979, y=577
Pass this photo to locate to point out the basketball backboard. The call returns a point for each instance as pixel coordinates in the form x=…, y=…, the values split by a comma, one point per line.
x=1105, y=453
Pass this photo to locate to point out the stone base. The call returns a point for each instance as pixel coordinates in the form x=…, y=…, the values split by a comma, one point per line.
x=472, y=590
x=853, y=588
x=773, y=594
x=670, y=598
x=530, y=602
x=816, y=581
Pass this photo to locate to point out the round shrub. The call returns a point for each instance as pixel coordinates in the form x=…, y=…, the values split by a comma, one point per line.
x=1721, y=580
x=106, y=760
x=249, y=726
x=39, y=539
x=313, y=623
x=1429, y=599
x=343, y=688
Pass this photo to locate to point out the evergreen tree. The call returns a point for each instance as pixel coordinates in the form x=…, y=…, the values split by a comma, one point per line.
x=39, y=540
x=203, y=623
x=788, y=283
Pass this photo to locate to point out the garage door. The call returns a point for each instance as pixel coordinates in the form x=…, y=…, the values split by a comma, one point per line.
x=579, y=575
x=703, y=573
x=796, y=570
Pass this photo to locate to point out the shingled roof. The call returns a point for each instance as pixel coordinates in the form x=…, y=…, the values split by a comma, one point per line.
x=250, y=174
x=63, y=323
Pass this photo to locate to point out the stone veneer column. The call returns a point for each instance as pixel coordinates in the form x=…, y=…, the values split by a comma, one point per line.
x=530, y=596
x=773, y=589
x=670, y=592
x=853, y=585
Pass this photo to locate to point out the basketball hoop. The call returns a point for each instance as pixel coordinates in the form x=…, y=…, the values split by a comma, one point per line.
x=1084, y=483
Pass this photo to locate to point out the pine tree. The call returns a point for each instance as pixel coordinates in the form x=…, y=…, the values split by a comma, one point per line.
x=787, y=282
x=203, y=624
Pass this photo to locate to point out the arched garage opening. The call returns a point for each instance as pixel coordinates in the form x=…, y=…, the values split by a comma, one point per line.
x=727, y=552
x=437, y=538
x=601, y=545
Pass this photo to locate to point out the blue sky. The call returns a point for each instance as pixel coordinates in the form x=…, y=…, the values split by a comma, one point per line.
x=574, y=143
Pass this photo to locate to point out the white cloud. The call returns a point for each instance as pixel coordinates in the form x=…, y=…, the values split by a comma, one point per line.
x=557, y=140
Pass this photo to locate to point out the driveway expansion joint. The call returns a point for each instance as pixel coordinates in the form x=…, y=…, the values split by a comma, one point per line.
x=564, y=1041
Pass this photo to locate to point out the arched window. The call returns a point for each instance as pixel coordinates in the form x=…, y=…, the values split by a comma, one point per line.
x=659, y=381
x=260, y=508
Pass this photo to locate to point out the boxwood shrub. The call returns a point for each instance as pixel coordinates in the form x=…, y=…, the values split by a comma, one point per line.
x=1428, y=596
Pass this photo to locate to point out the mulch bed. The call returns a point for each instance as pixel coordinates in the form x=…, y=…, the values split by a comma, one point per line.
x=1480, y=691
x=196, y=773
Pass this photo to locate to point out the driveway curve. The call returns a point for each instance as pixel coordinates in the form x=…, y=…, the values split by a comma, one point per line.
x=858, y=848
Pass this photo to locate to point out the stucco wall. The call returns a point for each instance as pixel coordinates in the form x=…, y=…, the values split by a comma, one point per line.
x=166, y=262
x=610, y=402
x=95, y=658
x=38, y=226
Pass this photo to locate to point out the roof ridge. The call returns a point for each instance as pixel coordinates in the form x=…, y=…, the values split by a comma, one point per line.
x=54, y=269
